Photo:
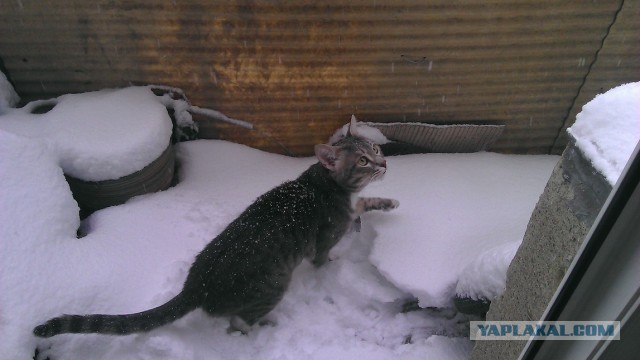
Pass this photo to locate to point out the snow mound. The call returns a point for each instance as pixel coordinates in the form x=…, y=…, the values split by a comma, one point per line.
x=98, y=135
x=37, y=214
x=452, y=208
x=608, y=129
x=486, y=276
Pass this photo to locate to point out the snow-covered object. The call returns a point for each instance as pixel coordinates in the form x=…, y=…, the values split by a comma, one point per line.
x=136, y=256
x=608, y=129
x=452, y=208
x=8, y=96
x=362, y=129
x=180, y=108
x=183, y=108
x=98, y=135
x=486, y=276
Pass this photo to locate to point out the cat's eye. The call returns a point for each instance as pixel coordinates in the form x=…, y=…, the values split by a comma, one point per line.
x=376, y=149
x=363, y=161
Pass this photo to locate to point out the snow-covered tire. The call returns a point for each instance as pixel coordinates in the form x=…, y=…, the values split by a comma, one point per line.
x=96, y=195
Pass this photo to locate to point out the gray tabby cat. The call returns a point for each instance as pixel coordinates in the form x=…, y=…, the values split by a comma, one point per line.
x=244, y=272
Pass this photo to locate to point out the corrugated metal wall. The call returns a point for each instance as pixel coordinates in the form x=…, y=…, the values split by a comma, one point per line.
x=299, y=69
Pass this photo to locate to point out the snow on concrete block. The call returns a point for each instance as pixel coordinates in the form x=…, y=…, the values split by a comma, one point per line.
x=607, y=129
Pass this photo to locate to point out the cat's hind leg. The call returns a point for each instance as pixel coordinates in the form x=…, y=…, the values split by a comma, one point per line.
x=262, y=296
x=238, y=324
x=244, y=322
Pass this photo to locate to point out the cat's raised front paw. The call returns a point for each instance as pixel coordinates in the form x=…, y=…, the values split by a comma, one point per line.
x=390, y=204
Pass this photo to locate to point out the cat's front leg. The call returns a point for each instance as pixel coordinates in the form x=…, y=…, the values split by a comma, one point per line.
x=326, y=240
x=365, y=204
x=323, y=247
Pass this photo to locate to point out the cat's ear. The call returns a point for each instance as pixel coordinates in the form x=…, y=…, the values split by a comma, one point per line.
x=327, y=155
x=352, y=129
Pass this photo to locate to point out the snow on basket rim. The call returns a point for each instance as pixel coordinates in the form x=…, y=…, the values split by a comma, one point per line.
x=83, y=128
x=608, y=129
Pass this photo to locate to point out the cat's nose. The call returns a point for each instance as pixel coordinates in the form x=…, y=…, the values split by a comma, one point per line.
x=384, y=163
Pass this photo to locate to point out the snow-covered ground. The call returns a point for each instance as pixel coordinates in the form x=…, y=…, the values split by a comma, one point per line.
x=455, y=210
x=457, y=214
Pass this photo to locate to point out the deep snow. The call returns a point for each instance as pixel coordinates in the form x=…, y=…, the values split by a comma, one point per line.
x=460, y=218
x=453, y=209
x=136, y=255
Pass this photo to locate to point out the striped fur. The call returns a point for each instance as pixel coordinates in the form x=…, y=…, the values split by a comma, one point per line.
x=117, y=324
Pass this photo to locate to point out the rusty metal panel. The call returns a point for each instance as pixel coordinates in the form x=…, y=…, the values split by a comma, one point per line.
x=299, y=69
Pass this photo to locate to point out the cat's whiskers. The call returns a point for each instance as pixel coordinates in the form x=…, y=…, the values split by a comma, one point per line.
x=378, y=174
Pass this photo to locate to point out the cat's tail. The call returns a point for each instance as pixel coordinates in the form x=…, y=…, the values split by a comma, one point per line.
x=174, y=309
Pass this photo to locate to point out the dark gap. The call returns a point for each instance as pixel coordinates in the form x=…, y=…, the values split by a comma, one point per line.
x=396, y=147
x=43, y=109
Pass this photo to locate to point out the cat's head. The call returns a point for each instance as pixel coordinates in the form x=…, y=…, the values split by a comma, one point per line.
x=353, y=160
